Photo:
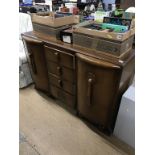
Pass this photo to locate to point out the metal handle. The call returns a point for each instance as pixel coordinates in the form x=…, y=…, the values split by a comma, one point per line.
x=89, y=93
x=33, y=63
x=60, y=83
x=57, y=55
x=91, y=81
x=59, y=70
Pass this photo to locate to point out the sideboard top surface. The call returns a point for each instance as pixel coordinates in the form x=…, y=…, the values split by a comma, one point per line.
x=48, y=40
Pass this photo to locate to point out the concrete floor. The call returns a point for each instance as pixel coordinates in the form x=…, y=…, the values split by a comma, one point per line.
x=47, y=128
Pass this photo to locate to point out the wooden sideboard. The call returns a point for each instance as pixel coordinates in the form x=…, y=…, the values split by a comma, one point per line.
x=89, y=81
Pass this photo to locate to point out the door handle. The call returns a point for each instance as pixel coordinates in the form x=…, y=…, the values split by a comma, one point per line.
x=89, y=92
x=34, y=69
x=91, y=80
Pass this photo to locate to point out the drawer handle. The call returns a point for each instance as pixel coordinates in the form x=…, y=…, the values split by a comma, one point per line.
x=60, y=83
x=59, y=70
x=57, y=55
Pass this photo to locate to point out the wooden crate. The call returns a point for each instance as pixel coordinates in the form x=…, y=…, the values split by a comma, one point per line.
x=104, y=45
x=102, y=34
x=50, y=20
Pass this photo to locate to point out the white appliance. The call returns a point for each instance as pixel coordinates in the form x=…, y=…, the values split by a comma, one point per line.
x=125, y=123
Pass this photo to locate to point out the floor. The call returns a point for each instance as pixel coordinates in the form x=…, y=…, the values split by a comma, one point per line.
x=46, y=128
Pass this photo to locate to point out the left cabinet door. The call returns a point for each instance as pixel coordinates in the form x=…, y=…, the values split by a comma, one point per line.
x=36, y=57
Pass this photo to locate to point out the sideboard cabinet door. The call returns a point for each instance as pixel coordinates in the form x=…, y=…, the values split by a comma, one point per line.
x=35, y=52
x=97, y=86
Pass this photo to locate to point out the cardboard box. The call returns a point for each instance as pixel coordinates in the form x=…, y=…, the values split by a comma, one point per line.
x=102, y=34
x=50, y=20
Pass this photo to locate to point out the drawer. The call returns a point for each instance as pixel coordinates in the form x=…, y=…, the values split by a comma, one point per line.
x=65, y=85
x=63, y=96
x=58, y=56
x=64, y=73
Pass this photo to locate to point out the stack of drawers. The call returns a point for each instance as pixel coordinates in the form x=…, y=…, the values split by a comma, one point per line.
x=61, y=74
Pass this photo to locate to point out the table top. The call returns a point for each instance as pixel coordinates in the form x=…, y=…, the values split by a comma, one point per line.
x=121, y=60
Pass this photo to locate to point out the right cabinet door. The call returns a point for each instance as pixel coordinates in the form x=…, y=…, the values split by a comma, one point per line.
x=97, y=86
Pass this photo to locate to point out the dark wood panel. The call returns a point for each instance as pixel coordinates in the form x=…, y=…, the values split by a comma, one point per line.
x=97, y=86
